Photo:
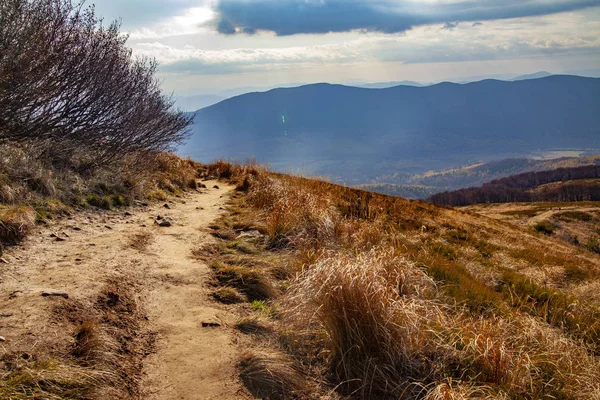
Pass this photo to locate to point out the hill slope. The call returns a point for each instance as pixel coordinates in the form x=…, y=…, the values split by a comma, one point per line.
x=562, y=184
x=327, y=128
x=372, y=296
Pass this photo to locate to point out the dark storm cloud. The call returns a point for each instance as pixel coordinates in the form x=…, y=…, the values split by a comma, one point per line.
x=289, y=17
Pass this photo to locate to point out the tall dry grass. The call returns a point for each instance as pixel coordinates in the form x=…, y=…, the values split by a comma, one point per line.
x=401, y=299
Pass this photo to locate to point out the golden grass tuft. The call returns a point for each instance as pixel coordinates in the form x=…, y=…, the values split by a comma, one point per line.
x=228, y=295
x=255, y=283
x=140, y=241
x=254, y=325
x=15, y=223
x=271, y=375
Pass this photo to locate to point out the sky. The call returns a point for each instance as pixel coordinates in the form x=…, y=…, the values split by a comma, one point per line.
x=205, y=46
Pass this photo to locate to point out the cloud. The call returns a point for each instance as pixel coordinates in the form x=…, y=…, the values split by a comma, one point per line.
x=191, y=60
x=290, y=17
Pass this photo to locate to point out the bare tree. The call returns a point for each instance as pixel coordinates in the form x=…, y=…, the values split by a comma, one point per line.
x=67, y=80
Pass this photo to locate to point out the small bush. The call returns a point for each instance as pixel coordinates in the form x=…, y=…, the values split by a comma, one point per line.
x=192, y=184
x=545, y=227
x=157, y=194
x=118, y=201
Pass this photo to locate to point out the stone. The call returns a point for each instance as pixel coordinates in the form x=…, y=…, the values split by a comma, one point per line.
x=164, y=222
x=3, y=261
x=55, y=294
x=211, y=324
x=2, y=339
x=216, y=187
x=166, y=206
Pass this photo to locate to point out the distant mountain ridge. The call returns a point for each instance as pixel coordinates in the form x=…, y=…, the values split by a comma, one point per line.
x=352, y=133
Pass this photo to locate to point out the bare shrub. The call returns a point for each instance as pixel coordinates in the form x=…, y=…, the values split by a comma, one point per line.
x=68, y=79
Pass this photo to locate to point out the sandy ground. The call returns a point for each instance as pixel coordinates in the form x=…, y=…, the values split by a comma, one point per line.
x=190, y=360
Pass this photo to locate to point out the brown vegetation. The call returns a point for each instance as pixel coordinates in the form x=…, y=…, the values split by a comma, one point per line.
x=387, y=298
x=31, y=189
x=103, y=360
x=82, y=121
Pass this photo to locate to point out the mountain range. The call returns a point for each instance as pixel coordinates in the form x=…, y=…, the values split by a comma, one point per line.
x=355, y=134
x=204, y=98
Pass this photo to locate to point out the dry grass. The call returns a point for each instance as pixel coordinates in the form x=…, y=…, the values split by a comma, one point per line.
x=389, y=298
x=255, y=283
x=272, y=375
x=15, y=223
x=28, y=179
x=228, y=295
x=103, y=359
x=254, y=325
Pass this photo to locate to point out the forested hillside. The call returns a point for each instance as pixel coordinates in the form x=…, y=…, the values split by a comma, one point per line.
x=577, y=184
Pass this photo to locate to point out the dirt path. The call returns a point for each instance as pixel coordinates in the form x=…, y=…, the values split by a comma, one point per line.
x=190, y=361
